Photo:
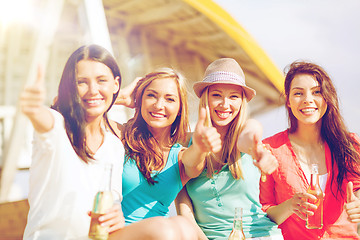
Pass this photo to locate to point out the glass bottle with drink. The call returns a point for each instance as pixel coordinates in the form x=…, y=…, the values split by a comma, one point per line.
x=102, y=202
x=237, y=231
x=315, y=221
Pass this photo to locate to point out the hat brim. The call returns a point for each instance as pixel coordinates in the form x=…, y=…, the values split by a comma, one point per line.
x=200, y=86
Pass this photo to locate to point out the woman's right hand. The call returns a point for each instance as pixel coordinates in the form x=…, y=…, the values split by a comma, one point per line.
x=263, y=158
x=32, y=105
x=300, y=206
x=32, y=97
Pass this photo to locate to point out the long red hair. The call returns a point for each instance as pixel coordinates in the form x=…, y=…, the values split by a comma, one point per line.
x=140, y=145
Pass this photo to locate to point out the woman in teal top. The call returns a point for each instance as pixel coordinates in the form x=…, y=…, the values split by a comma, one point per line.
x=214, y=200
x=144, y=200
x=231, y=178
x=156, y=166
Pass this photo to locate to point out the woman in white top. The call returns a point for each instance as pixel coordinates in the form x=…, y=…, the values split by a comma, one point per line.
x=72, y=140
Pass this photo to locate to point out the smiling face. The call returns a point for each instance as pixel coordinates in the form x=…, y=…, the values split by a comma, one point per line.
x=306, y=101
x=160, y=104
x=96, y=86
x=224, y=103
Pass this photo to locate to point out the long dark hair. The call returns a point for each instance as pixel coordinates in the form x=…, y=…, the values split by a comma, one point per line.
x=68, y=102
x=140, y=145
x=333, y=130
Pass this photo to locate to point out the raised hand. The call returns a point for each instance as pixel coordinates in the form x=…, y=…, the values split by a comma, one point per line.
x=207, y=139
x=263, y=158
x=126, y=96
x=32, y=104
x=33, y=96
x=353, y=204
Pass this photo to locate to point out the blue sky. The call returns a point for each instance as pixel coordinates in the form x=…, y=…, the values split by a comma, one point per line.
x=326, y=32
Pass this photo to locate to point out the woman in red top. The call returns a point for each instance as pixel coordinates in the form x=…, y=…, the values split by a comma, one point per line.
x=317, y=134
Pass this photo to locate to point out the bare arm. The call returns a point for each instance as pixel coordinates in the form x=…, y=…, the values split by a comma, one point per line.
x=184, y=207
x=297, y=204
x=205, y=140
x=32, y=105
x=249, y=142
x=252, y=128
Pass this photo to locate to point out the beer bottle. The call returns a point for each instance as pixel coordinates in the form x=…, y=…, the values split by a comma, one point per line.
x=102, y=202
x=237, y=231
x=315, y=221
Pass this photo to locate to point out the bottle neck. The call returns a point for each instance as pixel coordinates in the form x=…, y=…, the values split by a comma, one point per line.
x=314, y=179
x=106, y=178
x=237, y=224
x=238, y=219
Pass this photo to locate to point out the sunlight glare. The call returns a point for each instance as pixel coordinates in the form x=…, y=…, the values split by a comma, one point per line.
x=15, y=11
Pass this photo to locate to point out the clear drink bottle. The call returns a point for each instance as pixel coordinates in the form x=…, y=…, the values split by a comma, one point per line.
x=315, y=221
x=237, y=231
x=102, y=202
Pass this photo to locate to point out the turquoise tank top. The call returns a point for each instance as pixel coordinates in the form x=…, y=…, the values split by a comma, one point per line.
x=214, y=200
x=142, y=200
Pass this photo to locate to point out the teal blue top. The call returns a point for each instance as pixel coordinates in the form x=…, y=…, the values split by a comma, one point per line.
x=142, y=200
x=214, y=200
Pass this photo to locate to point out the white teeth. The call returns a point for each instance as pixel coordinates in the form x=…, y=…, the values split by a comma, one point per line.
x=157, y=115
x=93, y=101
x=308, y=110
x=223, y=114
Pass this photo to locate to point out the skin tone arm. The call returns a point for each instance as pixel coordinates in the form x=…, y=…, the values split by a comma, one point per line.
x=205, y=139
x=32, y=105
x=249, y=142
x=245, y=141
x=297, y=204
x=184, y=208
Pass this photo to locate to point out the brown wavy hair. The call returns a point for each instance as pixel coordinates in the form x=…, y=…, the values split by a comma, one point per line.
x=68, y=101
x=333, y=130
x=140, y=145
x=229, y=150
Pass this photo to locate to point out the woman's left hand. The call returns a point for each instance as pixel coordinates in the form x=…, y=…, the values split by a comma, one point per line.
x=263, y=158
x=113, y=218
x=352, y=206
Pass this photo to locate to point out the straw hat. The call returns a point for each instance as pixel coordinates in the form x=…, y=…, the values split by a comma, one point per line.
x=225, y=71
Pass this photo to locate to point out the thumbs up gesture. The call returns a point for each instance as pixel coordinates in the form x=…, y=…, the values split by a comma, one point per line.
x=352, y=206
x=32, y=101
x=32, y=97
x=207, y=139
x=263, y=158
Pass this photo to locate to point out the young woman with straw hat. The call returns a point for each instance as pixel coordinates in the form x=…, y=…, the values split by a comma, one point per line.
x=230, y=178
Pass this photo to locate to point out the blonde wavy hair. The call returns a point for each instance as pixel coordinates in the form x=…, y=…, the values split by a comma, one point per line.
x=229, y=150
